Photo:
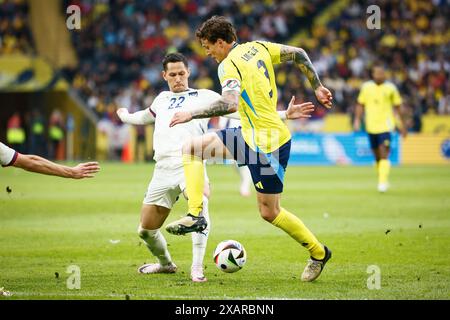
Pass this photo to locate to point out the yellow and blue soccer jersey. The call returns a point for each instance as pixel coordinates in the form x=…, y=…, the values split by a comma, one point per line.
x=378, y=102
x=251, y=64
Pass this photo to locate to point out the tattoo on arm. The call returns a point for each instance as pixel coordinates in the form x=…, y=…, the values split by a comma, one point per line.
x=228, y=103
x=301, y=59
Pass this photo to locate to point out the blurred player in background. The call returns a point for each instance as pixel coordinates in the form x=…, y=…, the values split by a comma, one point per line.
x=244, y=173
x=168, y=181
x=380, y=102
x=263, y=143
x=33, y=163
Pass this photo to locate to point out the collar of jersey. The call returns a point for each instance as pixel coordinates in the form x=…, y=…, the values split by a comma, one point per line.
x=183, y=92
x=234, y=46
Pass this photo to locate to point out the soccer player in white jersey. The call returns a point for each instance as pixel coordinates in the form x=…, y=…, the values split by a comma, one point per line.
x=168, y=181
x=33, y=163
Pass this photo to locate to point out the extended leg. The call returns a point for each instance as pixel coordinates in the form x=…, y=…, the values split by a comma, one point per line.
x=270, y=210
x=207, y=146
x=199, y=242
x=152, y=218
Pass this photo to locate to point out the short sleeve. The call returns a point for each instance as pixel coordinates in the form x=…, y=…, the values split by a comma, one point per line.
x=274, y=50
x=229, y=76
x=396, y=98
x=362, y=95
x=228, y=70
x=7, y=155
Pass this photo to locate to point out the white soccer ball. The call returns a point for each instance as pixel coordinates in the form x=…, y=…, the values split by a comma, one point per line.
x=230, y=256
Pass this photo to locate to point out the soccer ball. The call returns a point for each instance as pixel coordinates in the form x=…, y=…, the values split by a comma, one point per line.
x=230, y=256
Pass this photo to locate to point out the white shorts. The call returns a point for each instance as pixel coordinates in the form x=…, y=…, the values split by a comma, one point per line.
x=166, y=187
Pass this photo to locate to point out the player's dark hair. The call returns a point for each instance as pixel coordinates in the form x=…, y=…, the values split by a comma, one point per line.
x=174, y=57
x=216, y=27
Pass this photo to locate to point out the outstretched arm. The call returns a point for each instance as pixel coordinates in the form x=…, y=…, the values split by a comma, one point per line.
x=301, y=59
x=228, y=103
x=38, y=164
x=138, y=118
x=235, y=115
x=294, y=111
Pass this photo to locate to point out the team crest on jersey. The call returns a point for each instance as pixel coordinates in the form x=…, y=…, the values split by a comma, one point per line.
x=193, y=94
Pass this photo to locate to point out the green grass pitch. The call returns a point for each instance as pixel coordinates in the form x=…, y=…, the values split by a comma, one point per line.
x=48, y=224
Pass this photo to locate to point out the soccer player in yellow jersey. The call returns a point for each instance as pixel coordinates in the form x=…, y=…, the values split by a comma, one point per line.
x=380, y=101
x=263, y=143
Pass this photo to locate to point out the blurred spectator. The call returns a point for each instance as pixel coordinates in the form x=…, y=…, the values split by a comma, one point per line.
x=15, y=133
x=56, y=135
x=37, y=134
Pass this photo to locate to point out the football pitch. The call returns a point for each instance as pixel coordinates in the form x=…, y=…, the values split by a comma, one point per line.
x=58, y=234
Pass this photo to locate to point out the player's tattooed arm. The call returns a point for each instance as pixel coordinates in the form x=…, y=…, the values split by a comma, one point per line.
x=301, y=59
x=228, y=103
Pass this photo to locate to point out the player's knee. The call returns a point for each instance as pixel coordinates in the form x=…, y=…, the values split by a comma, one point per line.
x=145, y=233
x=268, y=212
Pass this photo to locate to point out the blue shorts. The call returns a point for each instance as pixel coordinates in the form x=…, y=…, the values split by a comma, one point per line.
x=379, y=139
x=267, y=169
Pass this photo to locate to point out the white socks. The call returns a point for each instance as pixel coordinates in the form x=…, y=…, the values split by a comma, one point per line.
x=199, y=240
x=156, y=243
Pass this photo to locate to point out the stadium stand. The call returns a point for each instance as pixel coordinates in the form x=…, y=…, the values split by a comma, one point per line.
x=121, y=44
x=15, y=35
x=121, y=49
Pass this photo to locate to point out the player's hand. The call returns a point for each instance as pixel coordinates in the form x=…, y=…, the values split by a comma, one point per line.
x=180, y=117
x=324, y=96
x=122, y=112
x=85, y=170
x=296, y=111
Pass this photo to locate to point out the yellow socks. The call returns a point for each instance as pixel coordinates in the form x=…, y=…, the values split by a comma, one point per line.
x=195, y=180
x=384, y=167
x=293, y=226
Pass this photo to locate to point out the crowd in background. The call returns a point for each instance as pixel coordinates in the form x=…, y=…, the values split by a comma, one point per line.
x=413, y=43
x=121, y=45
x=15, y=34
x=31, y=132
